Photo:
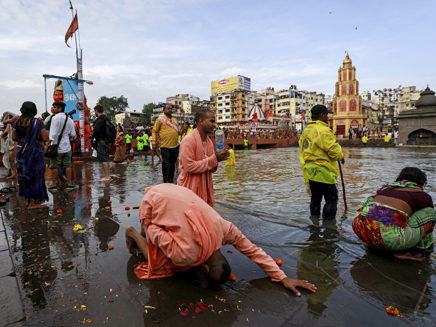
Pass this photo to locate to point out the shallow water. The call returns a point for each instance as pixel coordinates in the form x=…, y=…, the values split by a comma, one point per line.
x=265, y=197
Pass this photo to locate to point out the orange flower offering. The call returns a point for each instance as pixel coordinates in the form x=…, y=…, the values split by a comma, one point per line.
x=391, y=310
x=108, y=208
x=110, y=247
x=232, y=277
x=110, y=201
x=59, y=211
x=127, y=208
x=278, y=262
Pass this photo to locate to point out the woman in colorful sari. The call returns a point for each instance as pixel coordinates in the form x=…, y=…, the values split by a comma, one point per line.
x=30, y=134
x=400, y=217
x=120, y=143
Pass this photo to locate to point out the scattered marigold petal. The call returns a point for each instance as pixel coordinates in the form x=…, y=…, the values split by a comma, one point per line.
x=228, y=251
x=89, y=227
x=127, y=208
x=110, y=247
x=197, y=309
x=232, y=277
x=392, y=310
x=184, y=313
x=278, y=262
x=108, y=208
x=202, y=305
x=191, y=304
x=59, y=211
x=110, y=201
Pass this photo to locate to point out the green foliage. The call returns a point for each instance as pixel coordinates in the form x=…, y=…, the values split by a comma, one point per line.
x=113, y=105
x=147, y=111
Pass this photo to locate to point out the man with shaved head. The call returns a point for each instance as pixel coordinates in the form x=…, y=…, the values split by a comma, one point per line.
x=180, y=231
x=198, y=158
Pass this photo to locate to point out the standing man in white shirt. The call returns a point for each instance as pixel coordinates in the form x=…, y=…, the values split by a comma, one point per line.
x=64, y=149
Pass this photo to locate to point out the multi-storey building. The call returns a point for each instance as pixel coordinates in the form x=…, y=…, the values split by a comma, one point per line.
x=407, y=100
x=180, y=98
x=230, y=107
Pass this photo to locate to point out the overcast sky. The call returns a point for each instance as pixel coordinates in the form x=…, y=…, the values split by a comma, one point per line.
x=149, y=50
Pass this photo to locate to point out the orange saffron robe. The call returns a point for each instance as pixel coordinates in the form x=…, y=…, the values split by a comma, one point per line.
x=183, y=231
x=197, y=162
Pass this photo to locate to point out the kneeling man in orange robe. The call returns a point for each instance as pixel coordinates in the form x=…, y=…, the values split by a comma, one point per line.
x=181, y=231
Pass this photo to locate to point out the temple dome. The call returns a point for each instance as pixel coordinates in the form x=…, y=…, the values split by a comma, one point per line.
x=427, y=99
x=347, y=61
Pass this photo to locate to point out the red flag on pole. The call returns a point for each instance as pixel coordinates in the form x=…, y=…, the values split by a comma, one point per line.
x=73, y=27
x=270, y=114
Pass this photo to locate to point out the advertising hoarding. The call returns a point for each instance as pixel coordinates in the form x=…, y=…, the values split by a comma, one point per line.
x=231, y=84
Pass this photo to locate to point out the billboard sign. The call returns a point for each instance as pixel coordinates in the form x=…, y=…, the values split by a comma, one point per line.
x=231, y=84
x=67, y=90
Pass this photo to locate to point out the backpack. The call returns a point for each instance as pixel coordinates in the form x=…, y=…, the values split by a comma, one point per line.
x=111, y=132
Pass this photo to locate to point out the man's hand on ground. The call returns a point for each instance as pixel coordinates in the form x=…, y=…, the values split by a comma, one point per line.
x=292, y=284
x=222, y=156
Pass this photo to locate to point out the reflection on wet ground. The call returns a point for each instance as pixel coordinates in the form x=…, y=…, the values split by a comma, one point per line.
x=69, y=278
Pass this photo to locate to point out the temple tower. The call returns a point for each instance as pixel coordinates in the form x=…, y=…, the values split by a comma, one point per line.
x=347, y=103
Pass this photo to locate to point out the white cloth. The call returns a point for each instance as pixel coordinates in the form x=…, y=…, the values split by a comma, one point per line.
x=57, y=122
x=150, y=144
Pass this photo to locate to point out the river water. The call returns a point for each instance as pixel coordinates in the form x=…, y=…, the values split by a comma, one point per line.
x=67, y=278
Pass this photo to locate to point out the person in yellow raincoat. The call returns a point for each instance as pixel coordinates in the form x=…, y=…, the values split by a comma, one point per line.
x=364, y=140
x=387, y=139
x=319, y=152
x=231, y=159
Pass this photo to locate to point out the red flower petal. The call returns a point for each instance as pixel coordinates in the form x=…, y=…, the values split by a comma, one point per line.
x=197, y=309
x=202, y=305
x=184, y=313
x=228, y=251
x=191, y=304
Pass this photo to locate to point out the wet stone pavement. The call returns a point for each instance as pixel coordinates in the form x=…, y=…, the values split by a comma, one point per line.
x=66, y=278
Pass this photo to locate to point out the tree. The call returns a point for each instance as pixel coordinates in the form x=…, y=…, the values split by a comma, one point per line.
x=113, y=105
x=147, y=111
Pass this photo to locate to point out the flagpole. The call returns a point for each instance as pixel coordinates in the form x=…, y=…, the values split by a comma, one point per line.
x=75, y=36
x=79, y=75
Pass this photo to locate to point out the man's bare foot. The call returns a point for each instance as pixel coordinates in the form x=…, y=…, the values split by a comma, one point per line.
x=15, y=176
x=36, y=206
x=130, y=242
x=105, y=179
x=409, y=256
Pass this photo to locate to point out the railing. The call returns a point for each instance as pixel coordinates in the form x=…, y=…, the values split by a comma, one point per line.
x=280, y=134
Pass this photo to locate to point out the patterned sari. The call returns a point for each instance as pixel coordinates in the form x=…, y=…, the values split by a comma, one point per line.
x=388, y=228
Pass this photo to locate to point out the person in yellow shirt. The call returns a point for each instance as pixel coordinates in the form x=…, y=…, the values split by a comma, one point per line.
x=319, y=152
x=231, y=159
x=128, y=142
x=364, y=140
x=167, y=127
